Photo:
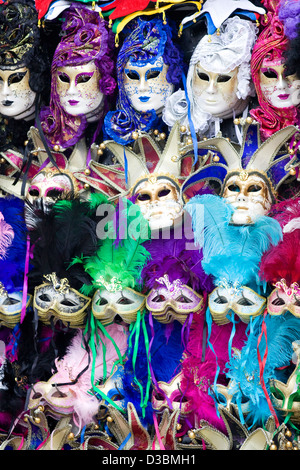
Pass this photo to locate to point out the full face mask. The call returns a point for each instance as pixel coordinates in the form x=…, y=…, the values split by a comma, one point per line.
x=17, y=99
x=278, y=88
x=78, y=89
x=146, y=85
x=250, y=197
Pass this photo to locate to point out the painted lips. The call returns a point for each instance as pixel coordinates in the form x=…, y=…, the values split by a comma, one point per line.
x=73, y=102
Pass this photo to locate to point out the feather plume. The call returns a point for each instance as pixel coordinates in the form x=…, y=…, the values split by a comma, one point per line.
x=57, y=237
x=230, y=251
x=124, y=262
x=179, y=259
x=244, y=369
x=13, y=242
x=283, y=261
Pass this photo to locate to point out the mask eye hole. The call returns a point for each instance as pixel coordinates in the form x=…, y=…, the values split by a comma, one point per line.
x=84, y=78
x=183, y=299
x=132, y=75
x=124, y=301
x=153, y=74
x=64, y=78
x=297, y=303
x=270, y=73
x=221, y=300
x=159, y=298
x=278, y=301
x=16, y=78
x=68, y=303
x=203, y=76
x=44, y=298
x=223, y=78
x=234, y=188
x=10, y=301
x=101, y=301
x=254, y=188
x=54, y=193
x=34, y=192
x=244, y=301
x=158, y=396
x=164, y=192
x=144, y=197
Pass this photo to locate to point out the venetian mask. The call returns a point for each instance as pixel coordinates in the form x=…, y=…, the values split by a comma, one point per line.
x=284, y=299
x=170, y=396
x=216, y=93
x=78, y=89
x=279, y=90
x=249, y=196
x=146, y=85
x=17, y=100
x=241, y=300
x=112, y=391
x=107, y=305
x=56, y=299
x=49, y=185
x=159, y=201
x=11, y=307
x=172, y=301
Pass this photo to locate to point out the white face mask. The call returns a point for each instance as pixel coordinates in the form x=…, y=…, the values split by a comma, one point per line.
x=146, y=86
x=216, y=93
x=160, y=203
x=16, y=97
x=78, y=89
x=249, y=198
x=279, y=90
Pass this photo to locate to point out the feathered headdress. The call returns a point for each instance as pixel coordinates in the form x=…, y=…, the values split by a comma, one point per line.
x=266, y=159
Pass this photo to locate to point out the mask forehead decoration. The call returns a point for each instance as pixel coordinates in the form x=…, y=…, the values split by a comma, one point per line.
x=149, y=66
x=151, y=175
x=248, y=179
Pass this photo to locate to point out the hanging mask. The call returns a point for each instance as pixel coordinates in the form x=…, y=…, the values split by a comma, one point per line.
x=78, y=89
x=49, y=185
x=172, y=301
x=146, y=85
x=284, y=299
x=17, y=99
x=242, y=301
x=170, y=396
x=278, y=88
x=11, y=306
x=56, y=299
x=216, y=93
x=249, y=196
x=160, y=202
x=107, y=305
x=112, y=391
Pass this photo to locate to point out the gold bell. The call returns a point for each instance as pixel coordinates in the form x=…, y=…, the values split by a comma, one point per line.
x=37, y=420
x=56, y=148
x=191, y=434
x=41, y=408
x=86, y=186
x=2, y=160
x=71, y=436
x=249, y=120
x=135, y=135
x=178, y=426
x=288, y=433
x=162, y=135
x=87, y=171
x=216, y=158
x=273, y=446
x=109, y=419
x=289, y=445
x=236, y=121
x=182, y=129
x=292, y=171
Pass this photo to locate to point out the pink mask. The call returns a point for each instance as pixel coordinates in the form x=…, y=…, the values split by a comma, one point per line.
x=172, y=301
x=284, y=298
